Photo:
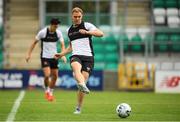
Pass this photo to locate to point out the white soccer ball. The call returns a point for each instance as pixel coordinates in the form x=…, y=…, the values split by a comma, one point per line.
x=123, y=110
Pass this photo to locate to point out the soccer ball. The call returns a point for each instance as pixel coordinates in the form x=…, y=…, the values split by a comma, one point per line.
x=123, y=110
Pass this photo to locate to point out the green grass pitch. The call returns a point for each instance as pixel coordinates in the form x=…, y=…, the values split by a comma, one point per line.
x=98, y=106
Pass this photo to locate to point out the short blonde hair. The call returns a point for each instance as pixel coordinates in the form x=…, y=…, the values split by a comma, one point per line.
x=77, y=9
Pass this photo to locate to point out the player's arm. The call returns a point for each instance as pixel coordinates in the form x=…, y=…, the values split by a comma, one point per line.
x=95, y=32
x=31, y=49
x=62, y=49
x=91, y=30
x=63, y=53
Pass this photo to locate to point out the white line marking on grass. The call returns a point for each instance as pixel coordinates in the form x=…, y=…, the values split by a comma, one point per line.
x=15, y=107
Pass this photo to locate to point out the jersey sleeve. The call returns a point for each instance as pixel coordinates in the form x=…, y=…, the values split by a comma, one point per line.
x=40, y=35
x=90, y=26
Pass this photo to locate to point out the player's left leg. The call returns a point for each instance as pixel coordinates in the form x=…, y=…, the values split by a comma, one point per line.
x=80, y=95
x=54, y=76
x=46, y=71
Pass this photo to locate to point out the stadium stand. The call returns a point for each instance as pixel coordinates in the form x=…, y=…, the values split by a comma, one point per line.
x=21, y=28
x=137, y=13
x=144, y=27
x=167, y=22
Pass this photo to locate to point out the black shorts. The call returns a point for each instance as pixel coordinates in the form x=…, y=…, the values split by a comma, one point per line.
x=87, y=62
x=52, y=63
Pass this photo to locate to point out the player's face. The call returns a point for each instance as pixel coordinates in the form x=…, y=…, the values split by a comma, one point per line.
x=54, y=27
x=77, y=18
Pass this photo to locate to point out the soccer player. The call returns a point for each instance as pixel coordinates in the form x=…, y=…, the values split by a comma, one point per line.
x=82, y=59
x=49, y=36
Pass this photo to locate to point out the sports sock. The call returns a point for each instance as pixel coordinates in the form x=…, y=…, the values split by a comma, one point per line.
x=78, y=108
x=51, y=91
x=47, y=89
x=83, y=84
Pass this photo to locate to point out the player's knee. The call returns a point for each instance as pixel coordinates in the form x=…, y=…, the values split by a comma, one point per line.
x=46, y=77
x=54, y=77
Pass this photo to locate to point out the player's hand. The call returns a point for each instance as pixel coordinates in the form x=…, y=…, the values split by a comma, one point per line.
x=28, y=58
x=82, y=31
x=57, y=56
x=64, y=59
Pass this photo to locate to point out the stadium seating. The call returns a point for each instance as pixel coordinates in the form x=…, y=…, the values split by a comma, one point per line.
x=134, y=39
x=167, y=15
x=99, y=57
x=132, y=26
x=161, y=40
x=171, y=4
x=138, y=47
x=111, y=66
x=111, y=47
x=98, y=47
x=111, y=57
x=158, y=4
x=175, y=39
x=106, y=50
x=173, y=21
x=159, y=15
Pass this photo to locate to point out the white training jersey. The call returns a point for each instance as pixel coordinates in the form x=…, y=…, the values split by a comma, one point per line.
x=49, y=42
x=81, y=44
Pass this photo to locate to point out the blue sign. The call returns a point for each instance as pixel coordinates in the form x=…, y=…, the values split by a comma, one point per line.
x=34, y=78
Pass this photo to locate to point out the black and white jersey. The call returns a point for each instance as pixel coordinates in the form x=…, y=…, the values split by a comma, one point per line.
x=81, y=43
x=49, y=42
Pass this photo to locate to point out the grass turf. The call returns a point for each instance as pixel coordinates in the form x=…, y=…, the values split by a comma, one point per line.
x=98, y=106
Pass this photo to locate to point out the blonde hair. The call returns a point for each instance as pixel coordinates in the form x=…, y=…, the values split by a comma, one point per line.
x=77, y=9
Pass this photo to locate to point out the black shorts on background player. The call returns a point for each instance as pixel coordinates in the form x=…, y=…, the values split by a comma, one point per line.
x=52, y=63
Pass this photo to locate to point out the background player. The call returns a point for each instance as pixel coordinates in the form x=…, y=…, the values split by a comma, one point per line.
x=49, y=36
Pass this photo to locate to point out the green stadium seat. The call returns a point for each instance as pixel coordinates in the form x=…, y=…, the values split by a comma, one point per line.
x=98, y=48
x=175, y=39
x=111, y=57
x=158, y=3
x=171, y=4
x=99, y=57
x=97, y=39
x=99, y=65
x=139, y=46
x=163, y=39
x=111, y=66
x=111, y=47
x=110, y=39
